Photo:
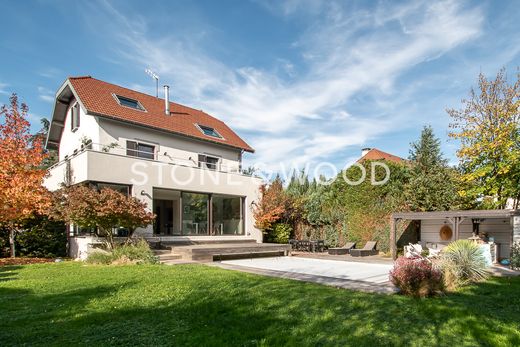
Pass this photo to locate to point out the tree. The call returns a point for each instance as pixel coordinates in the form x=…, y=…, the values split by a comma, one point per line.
x=368, y=207
x=487, y=127
x=51, y=155
x=21, y=175
x=101, y=210
x=431, y=186
x=274, y=205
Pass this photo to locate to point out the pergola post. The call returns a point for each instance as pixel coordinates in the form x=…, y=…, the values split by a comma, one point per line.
x=393, y=237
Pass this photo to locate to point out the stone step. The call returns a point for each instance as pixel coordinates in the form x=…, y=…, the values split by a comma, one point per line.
x=159, y=252
x=169, y=256
x=208, y=253
x=228, y=249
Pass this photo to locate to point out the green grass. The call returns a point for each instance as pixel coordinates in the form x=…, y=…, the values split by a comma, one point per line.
x=75, y=304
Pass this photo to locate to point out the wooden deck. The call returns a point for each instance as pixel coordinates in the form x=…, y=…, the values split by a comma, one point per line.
x=210, y=251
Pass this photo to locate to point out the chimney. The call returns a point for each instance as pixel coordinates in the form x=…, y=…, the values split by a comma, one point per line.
x=167, y=100
x=365, y=150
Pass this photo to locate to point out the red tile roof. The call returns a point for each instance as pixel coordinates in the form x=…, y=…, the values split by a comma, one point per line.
x=376, y=154
x=98, y=98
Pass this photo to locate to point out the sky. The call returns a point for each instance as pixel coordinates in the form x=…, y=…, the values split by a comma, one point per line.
x=302, y=81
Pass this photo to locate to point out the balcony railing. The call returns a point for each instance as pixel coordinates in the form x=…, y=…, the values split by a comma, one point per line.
x=162, y=157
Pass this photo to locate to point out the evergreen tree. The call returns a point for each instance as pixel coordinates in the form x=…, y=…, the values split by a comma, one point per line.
x=431, y=186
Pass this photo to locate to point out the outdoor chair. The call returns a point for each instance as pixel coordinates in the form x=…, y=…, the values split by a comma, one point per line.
x=368, y=249
x=413, y=251
x=342, y=250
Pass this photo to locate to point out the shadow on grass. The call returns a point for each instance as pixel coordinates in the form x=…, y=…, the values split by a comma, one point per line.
x=8, y=272
x=205, y=306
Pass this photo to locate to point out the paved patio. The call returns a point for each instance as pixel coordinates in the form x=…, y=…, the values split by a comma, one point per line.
x=370, y=277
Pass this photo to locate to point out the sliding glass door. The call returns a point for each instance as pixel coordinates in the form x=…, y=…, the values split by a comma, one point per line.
x=195, y=213
x=226, y=212
x=192, y=214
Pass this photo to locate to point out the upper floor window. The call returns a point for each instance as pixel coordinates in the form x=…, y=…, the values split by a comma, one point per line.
x=74, y=119
x=140, y=150
x=209, y=131
x=208, y=162
x=124, y=101
x=121, y=188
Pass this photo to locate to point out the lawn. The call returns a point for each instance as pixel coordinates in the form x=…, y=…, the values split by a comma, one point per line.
x=75, y=304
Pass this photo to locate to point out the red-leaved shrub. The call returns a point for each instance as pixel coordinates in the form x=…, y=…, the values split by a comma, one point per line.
x=416, y=277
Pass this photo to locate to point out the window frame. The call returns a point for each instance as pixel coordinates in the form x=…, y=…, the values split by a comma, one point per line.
x=139, y=107
x=203, y=164
x=98, y=185
x=136, y=153
x=74, y=117
x=202, y=127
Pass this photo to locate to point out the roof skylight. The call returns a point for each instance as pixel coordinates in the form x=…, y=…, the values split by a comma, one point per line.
x=208, y=131
x=127, y=102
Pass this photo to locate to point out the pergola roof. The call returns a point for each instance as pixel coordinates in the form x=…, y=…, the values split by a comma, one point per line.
x=451, y=214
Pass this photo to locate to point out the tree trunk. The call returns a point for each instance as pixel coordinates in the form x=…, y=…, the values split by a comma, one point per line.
x=11, y=242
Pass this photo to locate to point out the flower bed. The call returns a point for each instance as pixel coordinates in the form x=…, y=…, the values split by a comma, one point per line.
x=24, y=261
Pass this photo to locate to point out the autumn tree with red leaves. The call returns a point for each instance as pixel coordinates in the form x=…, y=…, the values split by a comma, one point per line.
x=101, y=210
x=21, y=174
x=274, y=205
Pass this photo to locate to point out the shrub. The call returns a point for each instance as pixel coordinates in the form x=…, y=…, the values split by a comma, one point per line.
x=463, y=262
x=128, y=253
x=98, y=256
x=515, y=256
x=139, y=253
x=281, y=233
x=416, y=277
x=43, y=238
x=39, y=237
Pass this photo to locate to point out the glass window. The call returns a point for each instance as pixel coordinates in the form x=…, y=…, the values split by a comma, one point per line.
x=74, y=120
x=209, y=131
x=146, y=151
x=227, y=215
x=195, y=214
x=124, y=101
x=209, y=162
x=140, y=150
x=124, y=189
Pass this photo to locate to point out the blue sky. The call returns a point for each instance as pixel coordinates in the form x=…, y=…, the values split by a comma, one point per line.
x=301, y=81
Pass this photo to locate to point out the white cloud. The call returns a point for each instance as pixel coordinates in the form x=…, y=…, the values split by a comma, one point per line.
x=308, y=117
x=45, y=94
x=3, y=89
x=50, y=72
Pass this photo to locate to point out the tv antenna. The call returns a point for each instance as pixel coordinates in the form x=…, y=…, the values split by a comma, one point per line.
x=156, y=78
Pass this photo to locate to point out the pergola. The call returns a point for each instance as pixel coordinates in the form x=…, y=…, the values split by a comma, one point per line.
x=454, y=217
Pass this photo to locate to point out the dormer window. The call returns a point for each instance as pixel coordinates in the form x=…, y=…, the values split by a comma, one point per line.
x=74, y=117
x=208, y=131
x=131, y=103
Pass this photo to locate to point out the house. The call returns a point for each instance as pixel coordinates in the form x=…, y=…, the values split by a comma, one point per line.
x=182, y=162
x=437, y=229
x=376, y=154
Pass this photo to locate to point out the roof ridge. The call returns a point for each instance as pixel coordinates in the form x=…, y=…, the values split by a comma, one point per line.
x=80, y=77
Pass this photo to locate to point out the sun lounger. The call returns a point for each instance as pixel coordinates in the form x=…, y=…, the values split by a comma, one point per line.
x=342, y=250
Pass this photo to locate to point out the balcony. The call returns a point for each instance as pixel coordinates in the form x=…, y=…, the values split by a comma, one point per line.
x=115, y=164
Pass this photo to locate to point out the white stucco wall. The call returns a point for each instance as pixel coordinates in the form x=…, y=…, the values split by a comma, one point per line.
x=179, y=149
x=177, y=169
x=71, y=140
x=145, y=175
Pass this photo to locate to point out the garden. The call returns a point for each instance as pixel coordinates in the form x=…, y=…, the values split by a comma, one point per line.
x=71, y=303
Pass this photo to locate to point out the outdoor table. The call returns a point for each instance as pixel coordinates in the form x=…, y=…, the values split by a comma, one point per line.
x=307, y=245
